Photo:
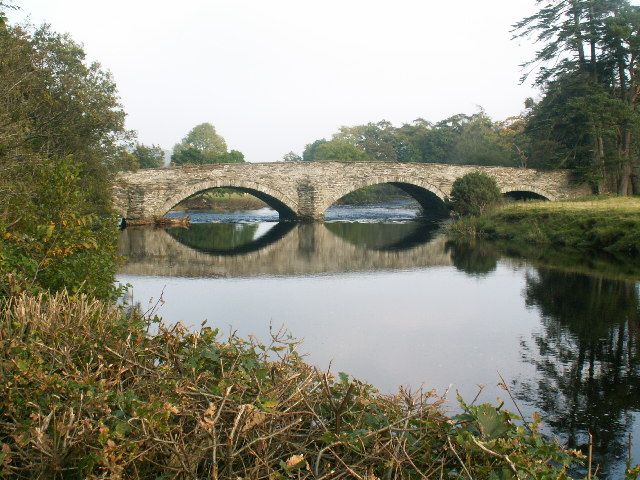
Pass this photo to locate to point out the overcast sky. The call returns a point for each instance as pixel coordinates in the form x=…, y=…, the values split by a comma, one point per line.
x=275, y=75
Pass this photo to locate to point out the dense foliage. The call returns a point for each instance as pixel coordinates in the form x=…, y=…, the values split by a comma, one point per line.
x=461, y=139
x=473, y=194
x=587, y=118
x=189, y=405
x=61, y=137
x=203, y=145
x=148, y=156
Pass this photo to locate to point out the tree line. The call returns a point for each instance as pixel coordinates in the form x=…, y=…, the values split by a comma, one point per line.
x=460, y=139
x=201, y=146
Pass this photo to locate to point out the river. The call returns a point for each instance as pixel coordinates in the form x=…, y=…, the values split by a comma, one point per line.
x=379, y=293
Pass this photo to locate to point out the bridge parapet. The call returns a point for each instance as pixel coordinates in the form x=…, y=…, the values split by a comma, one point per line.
x=305, y=190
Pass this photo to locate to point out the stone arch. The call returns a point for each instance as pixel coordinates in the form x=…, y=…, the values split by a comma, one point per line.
x=416, y=188
x=527, y=189
x=284, y=205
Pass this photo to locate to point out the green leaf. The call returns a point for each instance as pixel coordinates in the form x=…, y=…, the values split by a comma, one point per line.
x=492, y=423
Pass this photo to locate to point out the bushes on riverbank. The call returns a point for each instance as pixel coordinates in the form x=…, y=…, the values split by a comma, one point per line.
x=609, y=224
x=88, y=393
x=62, y=136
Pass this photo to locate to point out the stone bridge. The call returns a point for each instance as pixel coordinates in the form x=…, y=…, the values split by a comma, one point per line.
x=305, y=190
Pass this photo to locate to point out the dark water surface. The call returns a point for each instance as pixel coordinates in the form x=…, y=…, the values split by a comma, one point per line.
x=388, y=300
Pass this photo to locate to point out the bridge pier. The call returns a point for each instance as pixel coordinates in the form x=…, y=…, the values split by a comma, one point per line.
x=309, y=208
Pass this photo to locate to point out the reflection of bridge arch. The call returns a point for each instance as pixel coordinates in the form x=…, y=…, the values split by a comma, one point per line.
x=284, y=205
x=426, y=194
x=273, y=235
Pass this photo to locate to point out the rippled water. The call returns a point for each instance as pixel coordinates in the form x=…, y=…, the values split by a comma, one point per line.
x=387, y=299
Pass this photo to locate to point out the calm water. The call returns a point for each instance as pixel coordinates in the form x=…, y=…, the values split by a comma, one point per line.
x=388, y=300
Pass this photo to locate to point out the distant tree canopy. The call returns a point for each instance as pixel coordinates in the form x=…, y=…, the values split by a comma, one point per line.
x=461, y=139
x=291, y=157
x=203, y=145
x=149, y=156
x=338, y=149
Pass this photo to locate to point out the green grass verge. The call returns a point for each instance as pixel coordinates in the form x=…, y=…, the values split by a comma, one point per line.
x=606, y=224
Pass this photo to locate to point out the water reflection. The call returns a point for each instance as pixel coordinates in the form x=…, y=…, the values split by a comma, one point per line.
x=587, y=359
x=230, y=238
x=245, y=250
x=474, y=259
x=394, y=303
x=385, y=236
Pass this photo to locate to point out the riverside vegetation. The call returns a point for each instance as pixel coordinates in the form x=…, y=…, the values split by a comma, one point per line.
x=597, y=224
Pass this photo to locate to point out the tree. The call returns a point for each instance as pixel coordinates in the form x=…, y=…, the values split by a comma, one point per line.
x=340, y=150
x=149, y=156
x=291, y=157
x=601, y=87
x=61, y=137
x=459, y=139
x=473, y=194
x=480, y=143
x=203, y=145
x=55, y=104
x=234, y=156
x=309, y=153
x=378, y=140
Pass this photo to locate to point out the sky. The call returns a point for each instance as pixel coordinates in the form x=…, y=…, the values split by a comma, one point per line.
x=272, y=76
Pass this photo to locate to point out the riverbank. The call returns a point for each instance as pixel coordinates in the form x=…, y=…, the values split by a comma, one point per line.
x=610, y=224
x=93, y=394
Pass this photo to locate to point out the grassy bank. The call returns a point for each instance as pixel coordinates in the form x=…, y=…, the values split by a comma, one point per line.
x=605, y=224
x=87, y=392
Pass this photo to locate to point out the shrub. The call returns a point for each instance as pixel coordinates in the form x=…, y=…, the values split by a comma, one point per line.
x=473, y=194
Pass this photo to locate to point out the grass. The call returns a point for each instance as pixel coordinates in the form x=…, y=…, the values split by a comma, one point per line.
x=610, y=224
x=87, y=392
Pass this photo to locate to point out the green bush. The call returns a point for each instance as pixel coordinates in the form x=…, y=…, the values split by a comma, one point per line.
x=473, y=194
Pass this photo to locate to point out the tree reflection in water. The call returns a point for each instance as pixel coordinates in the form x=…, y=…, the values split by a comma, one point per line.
x=477, y=259
x=587, y=358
